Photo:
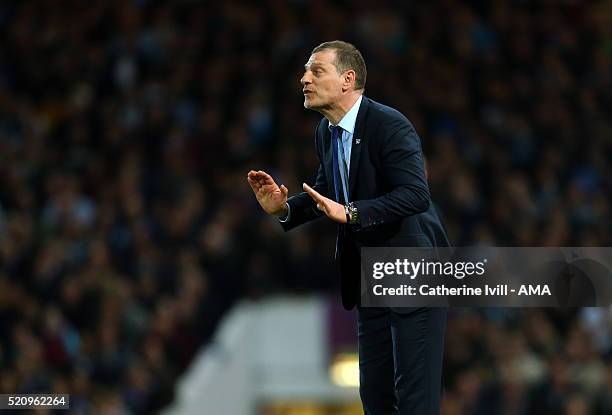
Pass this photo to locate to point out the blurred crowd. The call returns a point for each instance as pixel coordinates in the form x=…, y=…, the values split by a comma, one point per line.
x=528, y=361
x=127, y=227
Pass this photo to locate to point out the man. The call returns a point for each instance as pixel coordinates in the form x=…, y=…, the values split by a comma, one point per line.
x=371, y=182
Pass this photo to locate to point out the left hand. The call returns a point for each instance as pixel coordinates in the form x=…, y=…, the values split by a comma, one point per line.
x=333, y=210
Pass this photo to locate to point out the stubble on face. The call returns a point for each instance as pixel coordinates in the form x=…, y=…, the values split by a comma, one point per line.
x=321, y=81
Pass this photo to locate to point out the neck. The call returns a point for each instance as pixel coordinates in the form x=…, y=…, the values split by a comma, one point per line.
x=338, y=110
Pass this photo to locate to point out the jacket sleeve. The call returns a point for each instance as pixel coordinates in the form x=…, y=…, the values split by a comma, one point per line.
x=302, y=208
x=401, y=163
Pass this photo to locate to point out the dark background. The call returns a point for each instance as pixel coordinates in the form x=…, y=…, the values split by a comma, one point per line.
x=127, y=227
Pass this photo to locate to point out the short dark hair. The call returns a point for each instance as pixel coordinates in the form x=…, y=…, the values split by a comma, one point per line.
x=347, y=57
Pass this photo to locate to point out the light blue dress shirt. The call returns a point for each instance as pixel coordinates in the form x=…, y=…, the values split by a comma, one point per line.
x=347, y=123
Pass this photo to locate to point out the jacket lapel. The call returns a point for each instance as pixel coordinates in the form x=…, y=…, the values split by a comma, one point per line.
x=357, y=144
x=327, y=158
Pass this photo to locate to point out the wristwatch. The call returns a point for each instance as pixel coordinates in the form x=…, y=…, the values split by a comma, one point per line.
x=352, y=215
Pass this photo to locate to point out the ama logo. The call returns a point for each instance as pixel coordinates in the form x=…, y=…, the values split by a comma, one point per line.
x=534, y=289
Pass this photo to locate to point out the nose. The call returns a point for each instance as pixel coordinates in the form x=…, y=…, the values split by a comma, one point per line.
x=305, y=79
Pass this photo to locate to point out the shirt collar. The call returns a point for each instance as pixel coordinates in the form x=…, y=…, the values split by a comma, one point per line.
x=347, y=123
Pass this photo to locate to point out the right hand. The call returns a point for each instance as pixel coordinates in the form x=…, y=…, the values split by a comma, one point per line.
x=272, y=198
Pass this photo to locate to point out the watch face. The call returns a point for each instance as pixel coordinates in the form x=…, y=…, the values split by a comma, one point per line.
x=353, y=213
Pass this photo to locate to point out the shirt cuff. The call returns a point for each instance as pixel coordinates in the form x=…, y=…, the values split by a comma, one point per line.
x=288, y=217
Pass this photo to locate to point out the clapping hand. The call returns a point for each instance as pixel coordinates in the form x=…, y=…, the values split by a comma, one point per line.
x=333, y=210
x=270, y=196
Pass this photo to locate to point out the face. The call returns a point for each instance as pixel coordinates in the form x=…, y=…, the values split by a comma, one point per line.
x=321, y=83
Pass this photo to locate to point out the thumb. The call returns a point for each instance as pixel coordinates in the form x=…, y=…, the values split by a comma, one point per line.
x=284, y=190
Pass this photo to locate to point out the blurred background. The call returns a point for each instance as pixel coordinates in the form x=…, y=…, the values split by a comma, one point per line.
x=137, y=272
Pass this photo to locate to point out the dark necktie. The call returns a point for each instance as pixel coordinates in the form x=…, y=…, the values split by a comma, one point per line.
x=335, y=135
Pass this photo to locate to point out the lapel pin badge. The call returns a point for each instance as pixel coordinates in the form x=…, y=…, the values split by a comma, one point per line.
x=357, y=140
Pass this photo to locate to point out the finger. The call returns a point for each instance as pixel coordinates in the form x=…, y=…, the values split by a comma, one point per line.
x=284, y=190
x=254, y=175
x=257, y=175
x=322, y=202
x=313, y=193
x=254, y=183
x=265, y=177
x=308, y=188
x=323, y=206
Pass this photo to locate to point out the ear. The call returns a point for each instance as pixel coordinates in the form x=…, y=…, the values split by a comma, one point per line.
x=348, y=79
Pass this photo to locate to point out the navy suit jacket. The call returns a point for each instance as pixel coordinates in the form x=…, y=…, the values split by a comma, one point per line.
x=387, y=184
